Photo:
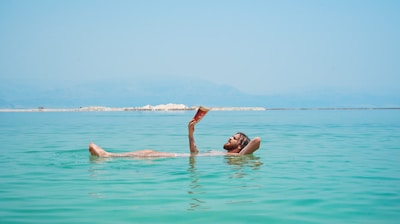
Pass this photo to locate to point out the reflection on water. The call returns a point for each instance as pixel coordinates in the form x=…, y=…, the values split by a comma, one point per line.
x=195, y=188
x=210, y=181
x=244, y=161
x=97, y=168
x=240, y=165
x=95, y=159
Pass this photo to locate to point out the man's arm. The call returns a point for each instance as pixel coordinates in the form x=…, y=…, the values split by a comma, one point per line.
x=192, y=143
x=253, y=145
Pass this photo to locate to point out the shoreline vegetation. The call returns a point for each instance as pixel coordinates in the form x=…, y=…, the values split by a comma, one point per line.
x=179, y=107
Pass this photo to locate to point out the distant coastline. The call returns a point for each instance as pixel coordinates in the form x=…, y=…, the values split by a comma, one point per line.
x=176, y=107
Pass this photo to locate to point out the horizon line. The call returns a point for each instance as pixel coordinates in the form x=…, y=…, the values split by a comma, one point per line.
x=119, y=109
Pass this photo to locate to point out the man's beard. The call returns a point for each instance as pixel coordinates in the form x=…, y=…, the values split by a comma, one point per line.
x=228, y=146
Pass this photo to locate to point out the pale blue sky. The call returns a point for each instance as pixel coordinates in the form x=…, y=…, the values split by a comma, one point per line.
x=260, y=47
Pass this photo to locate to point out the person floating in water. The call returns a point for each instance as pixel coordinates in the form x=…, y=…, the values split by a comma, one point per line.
x=238, y=144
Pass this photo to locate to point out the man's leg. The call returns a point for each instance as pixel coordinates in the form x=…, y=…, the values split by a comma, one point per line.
x=96, y=150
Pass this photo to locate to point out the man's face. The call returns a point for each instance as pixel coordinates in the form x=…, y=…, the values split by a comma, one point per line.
x=233, y=142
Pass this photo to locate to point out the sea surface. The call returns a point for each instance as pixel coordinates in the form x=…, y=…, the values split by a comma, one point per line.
x=313, y=166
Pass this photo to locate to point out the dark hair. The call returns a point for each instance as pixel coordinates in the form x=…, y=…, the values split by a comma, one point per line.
x=244, y=140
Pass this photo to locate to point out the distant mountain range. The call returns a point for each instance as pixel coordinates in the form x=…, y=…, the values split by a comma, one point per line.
x=171, y=90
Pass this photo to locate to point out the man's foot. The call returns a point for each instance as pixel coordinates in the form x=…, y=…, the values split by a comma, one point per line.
x=97, y=151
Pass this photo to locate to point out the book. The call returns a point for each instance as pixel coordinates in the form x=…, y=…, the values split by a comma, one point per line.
x=201, y=112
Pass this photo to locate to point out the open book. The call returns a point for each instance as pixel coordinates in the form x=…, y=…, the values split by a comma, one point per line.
x=201, y=112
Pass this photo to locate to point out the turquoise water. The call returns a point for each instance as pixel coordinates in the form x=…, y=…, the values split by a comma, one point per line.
x=334, y=166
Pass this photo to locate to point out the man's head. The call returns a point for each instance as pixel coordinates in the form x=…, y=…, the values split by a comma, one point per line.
x=236, y=142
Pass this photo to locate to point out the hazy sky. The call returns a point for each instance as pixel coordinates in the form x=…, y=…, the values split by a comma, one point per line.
x=262, y=47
